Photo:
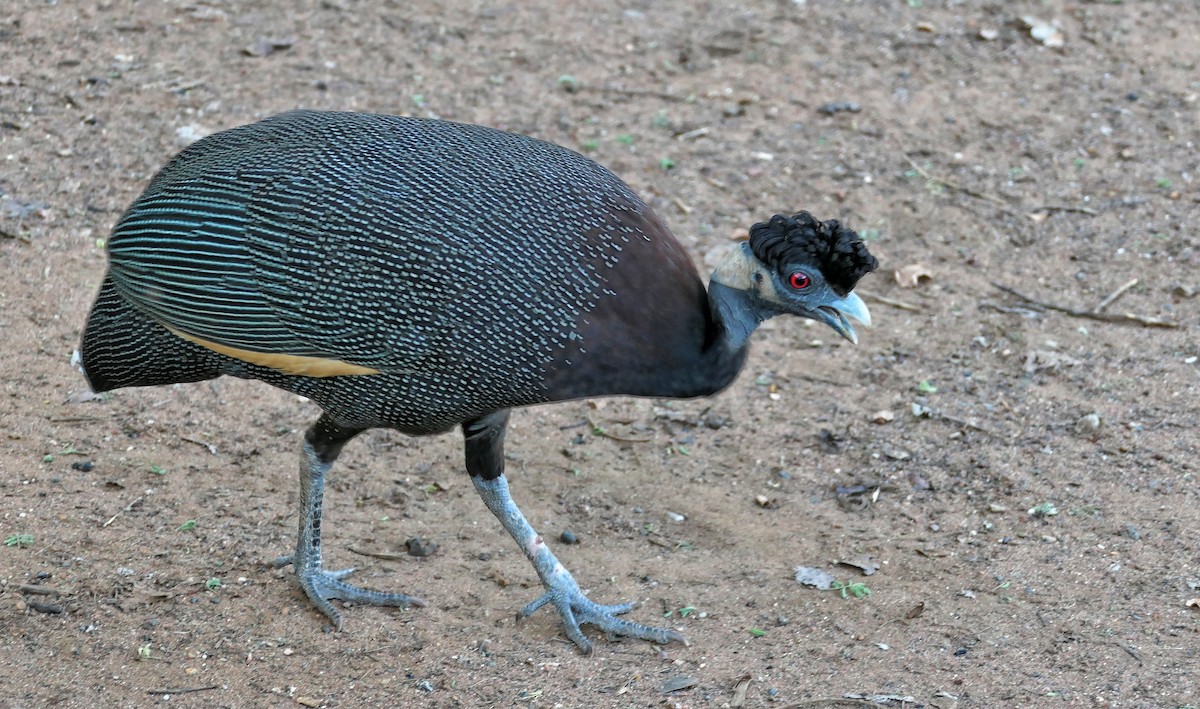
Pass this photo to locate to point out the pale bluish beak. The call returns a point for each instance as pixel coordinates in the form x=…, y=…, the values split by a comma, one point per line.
x=838, y=312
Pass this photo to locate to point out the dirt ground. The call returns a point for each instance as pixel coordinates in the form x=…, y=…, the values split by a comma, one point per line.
x=1022, y=481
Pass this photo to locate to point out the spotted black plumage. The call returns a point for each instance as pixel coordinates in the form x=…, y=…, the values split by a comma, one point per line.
x=419, y=275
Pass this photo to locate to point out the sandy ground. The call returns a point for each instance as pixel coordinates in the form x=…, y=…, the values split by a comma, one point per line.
x=1020, y=480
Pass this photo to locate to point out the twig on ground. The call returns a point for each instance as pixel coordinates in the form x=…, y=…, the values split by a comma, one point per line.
x=1126, y=318
x=1023, y=312
x=182, y=690
x=964, y=423
x=211, y=448
x=635, y=92
x=816, y=380
x=683, y=206
x=38, y=589
x=868, y=295
x=694, y=133
x=1066, y=208
x=128, y=507
x=5, y=234
x=385, y=555
x=1129, y=650
x=1112, y=297
x=836, y=702
x=952, y=184
x=659, y=543
x=598, y=430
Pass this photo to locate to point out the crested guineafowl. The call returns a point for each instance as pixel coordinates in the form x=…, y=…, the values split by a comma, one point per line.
x=420, y=275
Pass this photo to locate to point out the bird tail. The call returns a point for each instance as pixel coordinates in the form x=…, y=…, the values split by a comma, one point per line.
x=122, y=347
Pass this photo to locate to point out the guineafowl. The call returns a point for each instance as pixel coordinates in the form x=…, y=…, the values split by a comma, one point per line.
x=421, y=274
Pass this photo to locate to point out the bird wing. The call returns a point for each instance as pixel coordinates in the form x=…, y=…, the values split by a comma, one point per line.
x=285, y=270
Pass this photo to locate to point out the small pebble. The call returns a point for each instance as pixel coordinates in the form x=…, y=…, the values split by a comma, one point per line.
x=82, y=465
x=420, y=547
x=838, y=106
x=1087, y=424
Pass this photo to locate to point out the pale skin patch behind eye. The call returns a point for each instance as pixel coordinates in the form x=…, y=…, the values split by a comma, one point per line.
x=739, y=270
x=298, y=365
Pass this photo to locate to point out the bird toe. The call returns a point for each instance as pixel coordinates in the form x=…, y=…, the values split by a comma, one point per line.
x=576, y=609
x=322, y=586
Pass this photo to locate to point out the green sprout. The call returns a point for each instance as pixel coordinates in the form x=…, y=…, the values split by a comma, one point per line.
x=19, y=540
x=1046, y=509
x=856, y=589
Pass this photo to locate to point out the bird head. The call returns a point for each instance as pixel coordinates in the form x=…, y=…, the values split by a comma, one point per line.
x=800, y=266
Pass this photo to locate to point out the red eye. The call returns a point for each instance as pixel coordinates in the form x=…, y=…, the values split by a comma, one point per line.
x=799, y=280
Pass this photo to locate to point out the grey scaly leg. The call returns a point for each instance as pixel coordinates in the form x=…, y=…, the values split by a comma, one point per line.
x=485, y=463
x=322, y=444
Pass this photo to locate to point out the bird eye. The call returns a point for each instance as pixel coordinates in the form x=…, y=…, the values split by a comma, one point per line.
x=799, y=280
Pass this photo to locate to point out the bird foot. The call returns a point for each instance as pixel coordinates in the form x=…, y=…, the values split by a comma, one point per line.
x=575, y=608
x=322, y=586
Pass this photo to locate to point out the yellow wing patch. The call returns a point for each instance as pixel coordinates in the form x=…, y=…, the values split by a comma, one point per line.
x=298, y=365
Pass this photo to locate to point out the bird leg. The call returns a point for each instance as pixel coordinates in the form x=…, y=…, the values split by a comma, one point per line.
x=322, y=444
x=561, y=588
x=485, y=442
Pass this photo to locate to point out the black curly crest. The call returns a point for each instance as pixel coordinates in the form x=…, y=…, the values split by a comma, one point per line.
x=837, y=252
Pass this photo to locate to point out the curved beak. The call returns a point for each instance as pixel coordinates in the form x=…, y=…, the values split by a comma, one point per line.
x=838, y=312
